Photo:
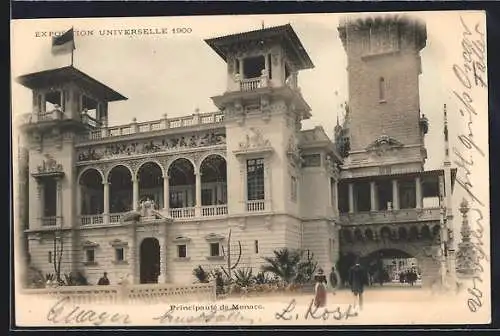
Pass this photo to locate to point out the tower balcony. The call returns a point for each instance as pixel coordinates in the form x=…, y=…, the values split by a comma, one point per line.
x=391, y=216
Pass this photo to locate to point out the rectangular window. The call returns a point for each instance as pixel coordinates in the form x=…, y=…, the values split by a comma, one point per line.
x=294, y=188
x=49, y=198
x=214, y=249
x=90, y=255
x=119, y=256
x=255, y=179
x=50, y=257
x=181, y=251
x=256, y=246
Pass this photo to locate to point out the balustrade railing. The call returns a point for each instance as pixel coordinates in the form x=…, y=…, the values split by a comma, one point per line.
x=112, y=218
x=386, y=216
x=115, y=218
x=214, y=210
x=256, y=205
x=128, y=294
x=91, y=219
x=179, y=213
x=183, y=212
x=51, y=221
x=155, y=125
x=250, y=84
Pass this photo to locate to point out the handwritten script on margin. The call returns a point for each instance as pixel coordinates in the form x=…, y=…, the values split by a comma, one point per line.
x=471, y=74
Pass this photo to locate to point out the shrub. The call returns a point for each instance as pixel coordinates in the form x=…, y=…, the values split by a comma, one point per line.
x=201, y=275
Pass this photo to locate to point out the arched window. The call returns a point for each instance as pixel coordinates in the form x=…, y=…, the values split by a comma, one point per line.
x=381, y=89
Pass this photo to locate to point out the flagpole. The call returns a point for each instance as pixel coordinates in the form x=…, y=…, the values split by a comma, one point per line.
x=73, y=47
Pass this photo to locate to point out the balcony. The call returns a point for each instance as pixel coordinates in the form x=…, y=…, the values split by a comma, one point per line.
x=51, y=221
x=392, y=216
x=214, y=210
x=182, y=212
x=256, y=206
x=153, y=126
x=176, y=213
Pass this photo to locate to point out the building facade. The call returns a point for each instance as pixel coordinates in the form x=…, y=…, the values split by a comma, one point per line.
x=156, y=199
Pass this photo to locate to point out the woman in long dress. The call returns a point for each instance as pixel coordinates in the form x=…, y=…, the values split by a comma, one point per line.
x=320, y=289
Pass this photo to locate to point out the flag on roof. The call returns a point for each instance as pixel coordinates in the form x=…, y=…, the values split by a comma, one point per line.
x=64, y=43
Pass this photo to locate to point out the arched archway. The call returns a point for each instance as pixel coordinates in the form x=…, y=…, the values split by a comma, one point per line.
x=91, y=193
x=391, y=265
x=182, y=184
x=150, y=177
x=213, y=171
x=149, y=260
x=120, y=189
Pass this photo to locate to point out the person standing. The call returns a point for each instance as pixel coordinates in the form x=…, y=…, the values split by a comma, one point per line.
x=104, y=280
x=320, y=289
x=357, y=281
x=334, y=280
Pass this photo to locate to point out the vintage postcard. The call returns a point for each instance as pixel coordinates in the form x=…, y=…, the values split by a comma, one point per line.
x=312, y=169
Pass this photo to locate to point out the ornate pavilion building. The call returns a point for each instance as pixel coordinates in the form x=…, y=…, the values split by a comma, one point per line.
x=156, y=199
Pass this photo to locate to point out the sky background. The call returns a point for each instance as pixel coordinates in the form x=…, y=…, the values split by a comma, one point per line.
x=176, y=74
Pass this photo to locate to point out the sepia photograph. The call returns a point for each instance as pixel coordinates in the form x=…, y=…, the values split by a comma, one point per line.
x=292, y=169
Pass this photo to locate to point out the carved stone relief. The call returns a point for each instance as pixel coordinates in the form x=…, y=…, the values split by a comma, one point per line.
x=254, y=139
x=167, y=144
x=384, y=144
x=49, y=165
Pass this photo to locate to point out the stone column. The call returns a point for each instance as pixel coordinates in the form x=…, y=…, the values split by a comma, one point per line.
x=351, y=197
x=336, y=197
x=373, y=196
x=163, y=253
x=133, y=253
x=105, y=209
x=395, y=195
x=135, y=193
x=266, y=62
x=240, y=62
x=418, y=192
x=78, y=199
x=166, y=193
x=198, y=194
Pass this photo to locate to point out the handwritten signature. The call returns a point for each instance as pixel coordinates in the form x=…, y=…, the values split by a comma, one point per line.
x=315, y=313
x=59, y=313
x=215, y=314
x=471, y=74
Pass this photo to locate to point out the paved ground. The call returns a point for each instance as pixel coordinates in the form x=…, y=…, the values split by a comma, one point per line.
x=383, y=306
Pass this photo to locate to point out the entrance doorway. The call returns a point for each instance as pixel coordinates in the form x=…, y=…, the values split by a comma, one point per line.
x=150, y=260
x=392, y=266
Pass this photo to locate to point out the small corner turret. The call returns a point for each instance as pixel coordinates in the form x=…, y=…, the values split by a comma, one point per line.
x=67, y=97
x=260, y=64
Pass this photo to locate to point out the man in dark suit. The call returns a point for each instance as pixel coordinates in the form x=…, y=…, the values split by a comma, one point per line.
x=357, y=280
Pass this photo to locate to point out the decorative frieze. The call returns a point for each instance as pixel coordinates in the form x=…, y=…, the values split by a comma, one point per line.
x=168, y=144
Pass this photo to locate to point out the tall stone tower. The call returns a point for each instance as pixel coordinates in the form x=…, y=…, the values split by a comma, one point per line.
x=263, y=110
x=386, y=128
x=66, y=104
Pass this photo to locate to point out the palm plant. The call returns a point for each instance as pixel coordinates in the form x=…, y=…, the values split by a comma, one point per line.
x=244, y=277
x=284, y=264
